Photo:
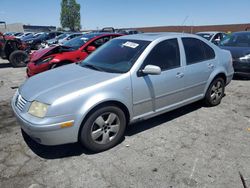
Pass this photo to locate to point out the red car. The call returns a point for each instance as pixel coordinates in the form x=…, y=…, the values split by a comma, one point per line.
x=72, y=51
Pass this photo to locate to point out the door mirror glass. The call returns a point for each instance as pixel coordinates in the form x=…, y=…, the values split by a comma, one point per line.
x=152, y=70
x=90, y=49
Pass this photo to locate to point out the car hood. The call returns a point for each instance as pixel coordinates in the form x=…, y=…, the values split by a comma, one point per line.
x=51, y=40
x=53, y=84
x=42, y=53
x=49, y=51
x=237, y=52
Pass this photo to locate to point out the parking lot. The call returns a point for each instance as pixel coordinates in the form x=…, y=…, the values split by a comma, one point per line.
x=194, y=146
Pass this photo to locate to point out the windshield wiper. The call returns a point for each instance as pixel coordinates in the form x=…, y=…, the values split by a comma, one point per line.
x=92, y=67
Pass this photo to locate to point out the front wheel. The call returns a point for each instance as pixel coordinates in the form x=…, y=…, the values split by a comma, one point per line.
x=215, y=92
x=18, y=58
x=103, y=129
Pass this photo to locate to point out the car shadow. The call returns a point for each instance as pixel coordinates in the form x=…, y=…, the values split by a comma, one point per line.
x=5, y=65
x=75, y=149
x=241, y=78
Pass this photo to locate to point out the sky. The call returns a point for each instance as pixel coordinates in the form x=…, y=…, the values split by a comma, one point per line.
x=96, y=14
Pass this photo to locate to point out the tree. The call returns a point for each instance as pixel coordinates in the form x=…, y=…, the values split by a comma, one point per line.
x=70, y=15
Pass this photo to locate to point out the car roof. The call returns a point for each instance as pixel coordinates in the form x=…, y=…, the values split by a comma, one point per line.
x=241, y=32
x=154, y=36
x=209, y=32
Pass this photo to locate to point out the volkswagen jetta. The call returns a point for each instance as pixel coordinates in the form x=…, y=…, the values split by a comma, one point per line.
x=128, y=79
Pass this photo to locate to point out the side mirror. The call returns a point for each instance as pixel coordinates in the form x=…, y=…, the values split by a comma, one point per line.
x=90, y=49
x=150, y=69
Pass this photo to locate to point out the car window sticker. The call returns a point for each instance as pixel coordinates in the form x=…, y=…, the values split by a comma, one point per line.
x=130, y=44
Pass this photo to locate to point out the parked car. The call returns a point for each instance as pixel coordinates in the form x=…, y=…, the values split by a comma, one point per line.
x=69, y=37
x=35, y=42
x=128, y=31
x=54, y=40
x=212, y=36
x=128, y=79
x=238, y=44
x=25, y=35
x=32, y=35
x=72, y=51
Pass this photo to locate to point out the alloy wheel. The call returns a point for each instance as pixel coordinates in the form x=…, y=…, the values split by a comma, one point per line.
x=216, y=91
x=105, y=128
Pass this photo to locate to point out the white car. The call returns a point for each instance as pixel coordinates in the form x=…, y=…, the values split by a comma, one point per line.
x=212, y=36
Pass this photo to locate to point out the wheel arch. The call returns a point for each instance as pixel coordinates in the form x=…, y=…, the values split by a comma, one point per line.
x=213, y=76
x=116, y=103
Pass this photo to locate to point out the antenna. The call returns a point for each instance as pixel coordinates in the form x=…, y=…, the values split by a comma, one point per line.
x=183, y=22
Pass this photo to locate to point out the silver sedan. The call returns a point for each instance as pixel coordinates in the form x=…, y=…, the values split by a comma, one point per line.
x=130, y=78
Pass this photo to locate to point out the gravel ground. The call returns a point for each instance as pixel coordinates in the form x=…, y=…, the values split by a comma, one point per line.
x=194, y=146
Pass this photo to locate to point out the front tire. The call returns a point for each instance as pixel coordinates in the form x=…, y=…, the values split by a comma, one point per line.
x=215, y=92
x=18, y=58
x=103, y=129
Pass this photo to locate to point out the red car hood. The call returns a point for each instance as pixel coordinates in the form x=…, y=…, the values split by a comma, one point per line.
x=42, y=53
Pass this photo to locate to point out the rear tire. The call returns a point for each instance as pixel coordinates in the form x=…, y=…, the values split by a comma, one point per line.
x=215, y=92
x=103, y=129
x=18, y=58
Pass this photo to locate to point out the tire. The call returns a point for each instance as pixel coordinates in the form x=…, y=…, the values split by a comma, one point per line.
x=18, y=58
x=103, y=129
x=215, y=92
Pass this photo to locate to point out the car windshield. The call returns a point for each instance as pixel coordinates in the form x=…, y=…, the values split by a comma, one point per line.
x=61, y=36
x=116, y=56
x=236, y=40
x=79, y=41
x=207, y=36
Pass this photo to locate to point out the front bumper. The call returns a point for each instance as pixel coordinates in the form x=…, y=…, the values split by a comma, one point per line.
x=241, y=68
x=33, y=69
x=47, y=133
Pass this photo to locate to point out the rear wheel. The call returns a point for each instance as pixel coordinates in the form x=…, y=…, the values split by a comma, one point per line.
x=18, y=58
x=103, y=129
x=215, y=92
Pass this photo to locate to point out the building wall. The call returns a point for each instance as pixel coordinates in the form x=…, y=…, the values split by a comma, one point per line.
x=15, y=27
x=194, y=29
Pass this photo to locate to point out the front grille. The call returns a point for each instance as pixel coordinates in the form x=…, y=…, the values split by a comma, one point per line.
x=20, y=102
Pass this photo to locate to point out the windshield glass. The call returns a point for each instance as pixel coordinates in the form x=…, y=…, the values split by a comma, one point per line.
x=79, y=41
x=237, y=40
x=61, y=36
x=207, y=36
x=116, y=56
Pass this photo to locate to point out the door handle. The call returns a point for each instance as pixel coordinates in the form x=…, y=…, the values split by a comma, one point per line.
x=179, y=75
x=210, y=65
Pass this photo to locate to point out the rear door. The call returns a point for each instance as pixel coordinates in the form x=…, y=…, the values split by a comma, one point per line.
x=200, y=63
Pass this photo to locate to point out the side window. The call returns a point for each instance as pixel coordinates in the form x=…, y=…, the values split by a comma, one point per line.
x=197, y=50
x=166, y=55
x=100, y=41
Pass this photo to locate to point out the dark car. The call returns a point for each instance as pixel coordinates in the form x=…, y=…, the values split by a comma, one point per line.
x=238, y=44
x=35, y=42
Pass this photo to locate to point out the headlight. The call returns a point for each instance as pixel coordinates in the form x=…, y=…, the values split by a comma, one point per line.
x=44, y=60
x=245, y=58
x=38, y=109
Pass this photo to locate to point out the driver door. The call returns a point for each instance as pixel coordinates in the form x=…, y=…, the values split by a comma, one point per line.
x=153, y=93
